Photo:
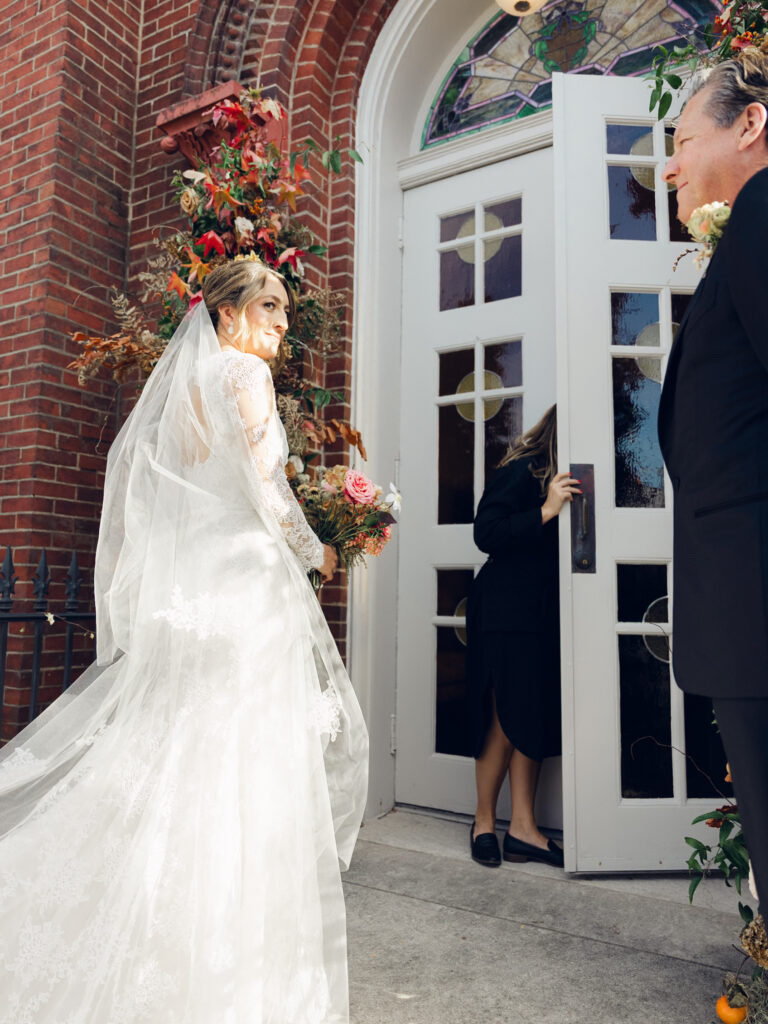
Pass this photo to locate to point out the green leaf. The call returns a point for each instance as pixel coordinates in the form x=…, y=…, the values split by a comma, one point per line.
x=697, y=844
x=355, y=156
x=693, y=886
x=655, y=97
x=325, y=158
x=335, y=161
x=746, y=913
x=717, y=815
x=675, y=81
x=294, y=158
x=318, y=250
x=664, y=104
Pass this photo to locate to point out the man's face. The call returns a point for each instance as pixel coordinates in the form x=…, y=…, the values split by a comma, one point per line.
x=704, y=154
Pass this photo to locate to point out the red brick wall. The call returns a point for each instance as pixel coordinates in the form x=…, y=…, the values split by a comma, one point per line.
x=85, y=192
x=67, y=97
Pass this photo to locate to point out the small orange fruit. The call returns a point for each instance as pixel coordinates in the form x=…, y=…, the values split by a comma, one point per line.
x=729, y=1014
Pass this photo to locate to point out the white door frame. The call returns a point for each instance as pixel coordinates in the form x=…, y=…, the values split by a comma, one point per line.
x=388, y=137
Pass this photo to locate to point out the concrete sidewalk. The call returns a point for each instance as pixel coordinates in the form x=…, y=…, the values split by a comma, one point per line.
x=437, y=939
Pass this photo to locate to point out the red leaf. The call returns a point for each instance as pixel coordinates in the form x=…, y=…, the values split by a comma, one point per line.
x=210, y=240
x=175, y=284
x=291, y=256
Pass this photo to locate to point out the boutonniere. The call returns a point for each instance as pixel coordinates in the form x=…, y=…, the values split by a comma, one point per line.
x=706, y=225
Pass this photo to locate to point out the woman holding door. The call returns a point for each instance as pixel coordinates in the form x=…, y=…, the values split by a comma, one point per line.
x=513, y=642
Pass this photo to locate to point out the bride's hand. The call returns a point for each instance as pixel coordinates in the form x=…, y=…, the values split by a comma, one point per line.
x=330, y=563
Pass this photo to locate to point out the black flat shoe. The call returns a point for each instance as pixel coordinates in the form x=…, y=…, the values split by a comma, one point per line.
x=517, y=851
x=485, y=848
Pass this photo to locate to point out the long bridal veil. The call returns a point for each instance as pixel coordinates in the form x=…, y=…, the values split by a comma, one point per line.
x=172, y=826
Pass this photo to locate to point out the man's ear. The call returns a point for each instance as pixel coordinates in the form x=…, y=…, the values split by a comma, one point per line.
x=752, y=121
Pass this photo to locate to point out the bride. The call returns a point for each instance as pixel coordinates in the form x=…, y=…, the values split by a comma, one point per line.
x=173, y=826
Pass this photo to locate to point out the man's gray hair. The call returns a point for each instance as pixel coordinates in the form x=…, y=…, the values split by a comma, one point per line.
x=733, y=85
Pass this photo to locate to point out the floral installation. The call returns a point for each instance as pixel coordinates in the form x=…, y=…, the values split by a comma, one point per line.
x=348, y=511
x=706, y=226
x=743, y=24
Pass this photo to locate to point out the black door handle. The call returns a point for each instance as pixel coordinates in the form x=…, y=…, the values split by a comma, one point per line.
x=583, y=543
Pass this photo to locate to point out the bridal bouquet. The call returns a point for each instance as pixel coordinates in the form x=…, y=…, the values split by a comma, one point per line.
x=349, y=512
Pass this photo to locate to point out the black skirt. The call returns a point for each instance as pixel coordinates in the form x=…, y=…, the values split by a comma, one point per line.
x=522, y=670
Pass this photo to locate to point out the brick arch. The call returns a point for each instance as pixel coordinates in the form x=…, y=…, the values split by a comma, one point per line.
x=199, y=47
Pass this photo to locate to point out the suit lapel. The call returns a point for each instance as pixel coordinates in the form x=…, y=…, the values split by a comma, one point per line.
x=673, y=360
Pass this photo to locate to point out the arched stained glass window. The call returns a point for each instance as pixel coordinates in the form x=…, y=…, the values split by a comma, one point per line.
x=505, y=72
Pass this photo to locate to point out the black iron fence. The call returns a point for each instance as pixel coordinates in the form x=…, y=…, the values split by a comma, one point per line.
x=27, y=647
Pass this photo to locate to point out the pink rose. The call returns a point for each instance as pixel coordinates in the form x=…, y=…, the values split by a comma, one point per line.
x=359, y=488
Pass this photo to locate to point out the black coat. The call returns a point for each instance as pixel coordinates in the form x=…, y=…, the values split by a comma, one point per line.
x=713, y=429
x=516, y=590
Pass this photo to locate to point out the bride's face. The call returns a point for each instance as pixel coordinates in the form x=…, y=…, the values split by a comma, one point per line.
x=266, y=321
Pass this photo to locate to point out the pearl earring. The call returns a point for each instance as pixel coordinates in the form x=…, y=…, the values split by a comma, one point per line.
x=231, y=329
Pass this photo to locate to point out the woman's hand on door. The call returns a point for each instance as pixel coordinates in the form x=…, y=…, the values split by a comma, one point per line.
x=562, y=488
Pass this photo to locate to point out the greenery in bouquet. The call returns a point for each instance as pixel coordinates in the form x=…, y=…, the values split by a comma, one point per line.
x=741, y=25
x=349, y=512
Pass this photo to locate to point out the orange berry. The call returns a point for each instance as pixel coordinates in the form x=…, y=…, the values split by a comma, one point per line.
x=729, y=1014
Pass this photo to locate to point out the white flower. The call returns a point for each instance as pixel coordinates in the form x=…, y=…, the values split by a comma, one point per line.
x=297, y=462
x=50, y=618
x=196, y=176
x=394, y=499
x=243, y=227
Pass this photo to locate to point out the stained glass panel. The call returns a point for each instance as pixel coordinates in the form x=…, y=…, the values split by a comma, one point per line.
x=504, y=215
x=635, y=318
x=638, y=586
x=503, y=423
x=632, y=206
x=454, y=368
x=645, y=713
x=623, y=138
x=503, y=268
x=457, y=225
x=680, y=303
x=457, y=278
x=506, y=360
x=505, y=71
x=452, y=590
x=455, y=467
x=639, y=466
x=451, y=733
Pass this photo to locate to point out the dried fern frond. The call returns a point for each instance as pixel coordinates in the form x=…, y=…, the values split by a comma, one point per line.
x=290, y=412
x=155, y=277
x=130, y=319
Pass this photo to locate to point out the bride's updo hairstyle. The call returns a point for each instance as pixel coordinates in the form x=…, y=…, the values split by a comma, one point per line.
x=237, y=283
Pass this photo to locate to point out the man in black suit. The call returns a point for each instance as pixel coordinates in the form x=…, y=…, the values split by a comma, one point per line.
x=713, y=429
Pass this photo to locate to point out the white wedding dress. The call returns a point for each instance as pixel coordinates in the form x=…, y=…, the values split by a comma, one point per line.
x=172, y=828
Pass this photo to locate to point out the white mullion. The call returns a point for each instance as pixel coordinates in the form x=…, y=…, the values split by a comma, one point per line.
x=659, y=147
x=657, y=629
x=628, y=160
x=479, y=263
x=469, y=396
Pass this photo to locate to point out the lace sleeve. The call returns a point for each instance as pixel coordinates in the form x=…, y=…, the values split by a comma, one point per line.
x=251, y=382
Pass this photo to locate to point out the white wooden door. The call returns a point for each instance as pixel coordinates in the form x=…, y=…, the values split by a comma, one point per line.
x=629, y=791
x=478, y=366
